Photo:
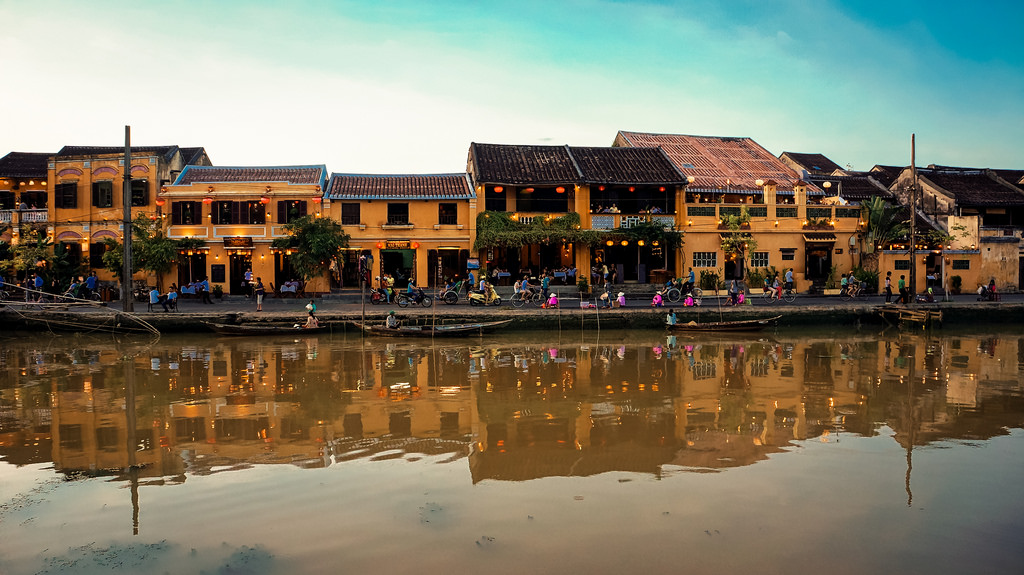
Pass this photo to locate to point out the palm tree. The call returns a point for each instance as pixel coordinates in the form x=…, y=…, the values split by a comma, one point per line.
x=884, y=223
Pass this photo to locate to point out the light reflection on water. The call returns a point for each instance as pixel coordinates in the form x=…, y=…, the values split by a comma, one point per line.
x=601, y=442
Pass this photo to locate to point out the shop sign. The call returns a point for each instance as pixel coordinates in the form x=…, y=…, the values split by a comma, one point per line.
x=398, y=245
x=238, y=242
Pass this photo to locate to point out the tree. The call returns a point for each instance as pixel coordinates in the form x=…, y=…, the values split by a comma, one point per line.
x=314, y=243
x=152, y=250
x=884, y=223
x=735, y=243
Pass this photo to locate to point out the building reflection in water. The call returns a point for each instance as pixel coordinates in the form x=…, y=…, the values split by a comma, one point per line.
x=516, y=410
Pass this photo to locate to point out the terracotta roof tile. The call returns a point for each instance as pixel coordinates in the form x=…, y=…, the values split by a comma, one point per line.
x=511, y=164
x=314, y=174
x=716, y=162
x=974, y=188
x=400, y=186
x=24, y=165
x=813, y=163
x=625, y=166
x=853, y=188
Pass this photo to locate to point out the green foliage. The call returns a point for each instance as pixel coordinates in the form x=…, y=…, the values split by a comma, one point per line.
x=868, y=276
x=884, y=223
x=33, y=253
x=218, y=291
x=152, y=250
x=583, y=285
x=710, y=279
x=735, y=241
x=113, y=258
x=315, y=242
x=956, y=283
x=500, y=229
x=830, y=281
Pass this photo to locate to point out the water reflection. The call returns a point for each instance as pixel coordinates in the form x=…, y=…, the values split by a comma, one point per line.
x=514, y=408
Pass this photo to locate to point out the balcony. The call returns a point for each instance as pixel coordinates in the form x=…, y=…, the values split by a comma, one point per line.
x=35, y=216
x=613, y=221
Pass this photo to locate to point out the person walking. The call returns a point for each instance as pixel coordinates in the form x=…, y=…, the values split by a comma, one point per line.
x=902, y=286
x=888, y=287
x=259, y=291
x=204, y=286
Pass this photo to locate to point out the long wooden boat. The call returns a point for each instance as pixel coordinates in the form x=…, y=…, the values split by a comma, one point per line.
x=442, y=330
x=256, y=329
x=737, y=325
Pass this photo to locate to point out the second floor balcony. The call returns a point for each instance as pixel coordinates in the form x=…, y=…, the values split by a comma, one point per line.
x=29, y=216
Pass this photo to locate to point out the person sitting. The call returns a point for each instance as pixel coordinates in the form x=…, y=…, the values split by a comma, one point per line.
x=621, y=299
x=927, y=297
x=171, y=299
x=156, y=298
x=657, y=301
x=552, y=301
x=670, y=319
x=391, y=322
x=311, y=321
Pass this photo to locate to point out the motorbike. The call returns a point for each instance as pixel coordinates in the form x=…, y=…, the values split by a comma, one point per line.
x=378, y=296
x=487, y=297
x=417, y=297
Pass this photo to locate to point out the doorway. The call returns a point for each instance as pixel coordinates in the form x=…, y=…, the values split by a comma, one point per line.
x=400, y=264
x=191, y=268
x=818, y=262
x=239, y=264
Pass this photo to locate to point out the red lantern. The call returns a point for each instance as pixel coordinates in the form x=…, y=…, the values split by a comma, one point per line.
x=264, y=200
x=415, y=245
x=632, y=188
x=498, y=189
x=528, y=191
x=207, y=200
x=560, y=190
x=160, y=202
x=317, y=199
x=661, y=189
x=601, y=188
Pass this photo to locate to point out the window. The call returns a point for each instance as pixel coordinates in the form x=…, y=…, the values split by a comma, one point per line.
x=140, y=193
x=7, y=200
x=103, y=194
x=186, y=213
x=788, y=254
x=248, y=212
x=705, y=259
x=289, y=211
x=398, y=214
x=221, y=212
x=758, y=211
x=696, y=211
x=819, y=213
x=447, y=214
x=350, y=214
x=786, y=212
x=96, y=251
x=66, y=195
x=759, y=259
x=901, y=264
x=252, y=212
x=961, y=264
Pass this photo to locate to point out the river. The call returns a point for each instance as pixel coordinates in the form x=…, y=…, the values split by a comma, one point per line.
x=547, y=452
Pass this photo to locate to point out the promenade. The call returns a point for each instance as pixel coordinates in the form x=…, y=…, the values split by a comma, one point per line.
x=338, y=309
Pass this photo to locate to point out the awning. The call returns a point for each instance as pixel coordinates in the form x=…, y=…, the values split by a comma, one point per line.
x=820, y=237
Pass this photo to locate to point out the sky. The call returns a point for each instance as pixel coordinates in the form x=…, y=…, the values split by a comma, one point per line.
x=405, y=86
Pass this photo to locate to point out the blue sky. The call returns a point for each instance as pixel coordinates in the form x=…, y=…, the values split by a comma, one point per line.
x=405, y=86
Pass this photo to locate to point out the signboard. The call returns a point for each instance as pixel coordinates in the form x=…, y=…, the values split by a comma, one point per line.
x=238, y=242
x=397, y=245
x=473, y=264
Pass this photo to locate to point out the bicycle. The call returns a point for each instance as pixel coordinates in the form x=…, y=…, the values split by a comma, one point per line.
x=859, y=292
x=674, y=294
x=788, y=294
x=520, y=299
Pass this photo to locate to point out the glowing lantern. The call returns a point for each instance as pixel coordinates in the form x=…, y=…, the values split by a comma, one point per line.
x=498, y=189
x=264, y=200
x=207, y=200
x=560, y=190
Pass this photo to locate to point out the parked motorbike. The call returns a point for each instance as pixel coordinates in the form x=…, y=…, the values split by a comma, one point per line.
x=378, y=296
x=417, y=297
x=487, y=297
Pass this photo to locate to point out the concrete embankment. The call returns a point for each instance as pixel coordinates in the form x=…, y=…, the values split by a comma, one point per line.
x=566, y=318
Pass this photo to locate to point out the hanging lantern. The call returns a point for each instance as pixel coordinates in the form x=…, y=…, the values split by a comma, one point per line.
x=265, y=199
x=661, y=189
x=625, y=242
x=528, y=191
x=609, y=243
x=160, y=202
x=207, y=200
x=560, y=190
x=632, y=188
x=317, y=199
x=498, y=189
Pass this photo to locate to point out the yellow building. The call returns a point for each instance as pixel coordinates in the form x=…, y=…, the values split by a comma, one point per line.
x=414, y=226
x=23, y=193
x=235, y=213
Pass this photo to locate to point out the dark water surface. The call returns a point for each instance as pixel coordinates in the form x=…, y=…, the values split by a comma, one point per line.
x=618, y=452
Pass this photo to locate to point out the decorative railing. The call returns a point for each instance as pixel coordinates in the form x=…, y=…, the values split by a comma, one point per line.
x=667, y=222
x=602, y=222
x=729, y=211
x=758, y=211
x=700, y=211
x=787, y=212
x=847, y=212
x=5, y=216
x=819, y=213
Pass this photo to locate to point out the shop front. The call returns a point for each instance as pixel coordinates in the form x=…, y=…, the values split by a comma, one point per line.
x=398, y=259
x=239, y=251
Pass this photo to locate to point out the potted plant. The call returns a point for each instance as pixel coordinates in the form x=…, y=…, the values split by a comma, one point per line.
x=584, y=287
x=218, y=291
x=956, y=283
x=830, y=282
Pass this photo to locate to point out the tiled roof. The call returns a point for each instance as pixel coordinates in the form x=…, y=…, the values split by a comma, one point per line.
x=192, y=155
x=24, y=165
x=291, y=174
x=510, y=164
x=715, y=162
x=1015, y=177
x=886, y=175
x=166, y=151
x=853, y=188
x=401, y=186
x=625, y=166
x=975, y=188
x=813, y=163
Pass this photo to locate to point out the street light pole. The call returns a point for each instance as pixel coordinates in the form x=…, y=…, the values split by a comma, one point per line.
x=913, y=219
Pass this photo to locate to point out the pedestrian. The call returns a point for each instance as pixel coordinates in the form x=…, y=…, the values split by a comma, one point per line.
x=247, y=283
x=260, y=291
x=902, y=286
x=544, y=283
x=311, y=307
x=888, y=287
x=204, y=286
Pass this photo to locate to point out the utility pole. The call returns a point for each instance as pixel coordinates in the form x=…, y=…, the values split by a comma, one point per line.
x=127, y=299
x=913, y=219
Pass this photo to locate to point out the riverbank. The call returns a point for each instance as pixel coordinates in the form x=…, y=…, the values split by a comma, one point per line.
x=195, y=317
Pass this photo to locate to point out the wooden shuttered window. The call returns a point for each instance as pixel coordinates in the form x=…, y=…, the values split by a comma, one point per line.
x=103, y=194
x=66, y=195
x=186, y=213
x=289, y=211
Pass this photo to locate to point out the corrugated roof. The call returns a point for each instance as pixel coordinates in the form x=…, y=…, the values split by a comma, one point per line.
x=606, y=165
x=313, y=174
x=24, y=165
x=400, y=186
x=716, y=162
x=511, y=164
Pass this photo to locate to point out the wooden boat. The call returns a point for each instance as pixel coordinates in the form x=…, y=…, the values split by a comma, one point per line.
x=257, y=329
x=441, y=330
x=737, y=325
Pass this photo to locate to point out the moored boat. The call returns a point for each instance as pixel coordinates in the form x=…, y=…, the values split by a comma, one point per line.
x=256, y=329
x=440, y=330
x=736, y=325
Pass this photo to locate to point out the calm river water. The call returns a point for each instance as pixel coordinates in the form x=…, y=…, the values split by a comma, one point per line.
x=617, y=452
